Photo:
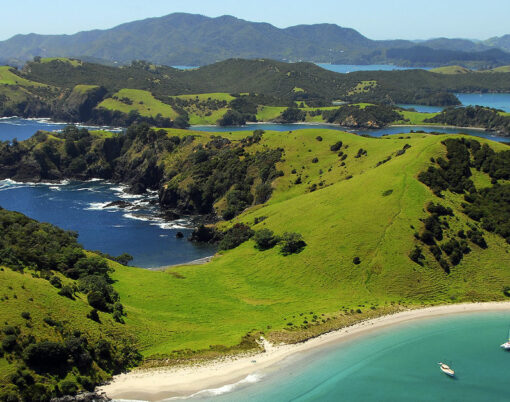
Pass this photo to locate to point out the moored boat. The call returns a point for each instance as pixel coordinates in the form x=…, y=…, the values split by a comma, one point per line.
x=446, y=369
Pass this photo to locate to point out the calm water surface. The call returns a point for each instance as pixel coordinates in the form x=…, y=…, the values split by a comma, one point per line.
x=22, y=129
x=398, y=363
x=373, y=133
x=349, y=68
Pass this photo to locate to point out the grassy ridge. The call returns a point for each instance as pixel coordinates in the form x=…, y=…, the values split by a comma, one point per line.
x=141, y=101
x=245, y=290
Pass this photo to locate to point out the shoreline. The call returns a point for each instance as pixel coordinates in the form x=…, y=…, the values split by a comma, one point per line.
x=352, y=129
x=183, y=381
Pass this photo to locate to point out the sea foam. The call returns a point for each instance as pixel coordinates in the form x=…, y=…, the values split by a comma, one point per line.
x=250, y=379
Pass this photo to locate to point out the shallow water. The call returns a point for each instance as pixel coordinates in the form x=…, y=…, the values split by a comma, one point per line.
x=397, y=363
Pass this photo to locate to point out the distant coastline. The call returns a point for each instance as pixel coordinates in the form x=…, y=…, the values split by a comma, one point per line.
x=182, y=381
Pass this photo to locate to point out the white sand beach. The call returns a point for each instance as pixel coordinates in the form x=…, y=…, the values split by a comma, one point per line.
x=163, y=383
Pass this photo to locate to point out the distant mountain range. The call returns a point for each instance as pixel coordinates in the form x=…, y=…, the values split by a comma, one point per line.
x=189, y=39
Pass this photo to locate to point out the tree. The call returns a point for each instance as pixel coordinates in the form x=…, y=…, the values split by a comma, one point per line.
x=97, y=300
x=265, y=239
x=292, y=243
x=93, y=315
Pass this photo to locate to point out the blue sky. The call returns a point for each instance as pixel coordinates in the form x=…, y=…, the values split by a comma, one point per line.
x=377, y=19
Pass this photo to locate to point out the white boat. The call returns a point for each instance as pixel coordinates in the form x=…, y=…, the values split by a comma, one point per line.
x=446, y=369
x=506, y=345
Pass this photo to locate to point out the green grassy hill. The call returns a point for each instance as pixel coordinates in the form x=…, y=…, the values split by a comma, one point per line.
x=451, y=70
x=372, y=215
x=356, y=201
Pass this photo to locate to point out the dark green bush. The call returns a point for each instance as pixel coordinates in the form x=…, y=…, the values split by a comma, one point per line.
x=236, y=235
x=68, y=387
x=46, y=356
x=93, y=315
x=55, y=281
x=292, y=243
x=97, y=300
x=265, y=239
x=67, y=291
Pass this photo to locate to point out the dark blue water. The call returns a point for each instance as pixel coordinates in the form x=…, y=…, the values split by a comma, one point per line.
x=373, y=133
x=139, y=230
x=422, y=108
x=398, y=363
x=80, y=206
x=22, y=129
x=349, y=68
x=496, y=101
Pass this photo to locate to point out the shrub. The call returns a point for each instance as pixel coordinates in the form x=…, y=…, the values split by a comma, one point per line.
x=93, y=315
x=315, y=160
x=292, y=243
x=55, y=281
x=25, y=315
x=265, y=239
x=9, y=343
x=336, y=147
x=506, y=291
x=68, y=387
x=416, y=255
x=97, y=301
x=50, y=321
x=67, y=291
x=46, y=355
x=117, y=316
x=262, y=193
x=356, y=260
x=235, y=236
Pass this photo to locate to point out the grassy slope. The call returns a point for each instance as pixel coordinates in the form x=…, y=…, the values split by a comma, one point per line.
x=9, y=78
x=73, y=62
x=143, y=102
x=451, y=70
x=22, y=292
x=416, y=118
x=245, y=290
x=203, y=97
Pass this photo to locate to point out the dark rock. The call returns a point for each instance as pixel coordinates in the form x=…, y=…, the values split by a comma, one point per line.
x=179, y=235
x=170, y=215
x=84, y=397
x=137, y=188
x=119, y=204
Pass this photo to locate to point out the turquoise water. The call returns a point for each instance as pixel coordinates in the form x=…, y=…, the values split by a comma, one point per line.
x=398, y=363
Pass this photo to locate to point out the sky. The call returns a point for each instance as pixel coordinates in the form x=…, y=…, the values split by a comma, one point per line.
x=376, y=19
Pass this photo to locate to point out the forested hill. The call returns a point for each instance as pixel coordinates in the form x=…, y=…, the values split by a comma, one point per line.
x=75, y=91
x=187, y=39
